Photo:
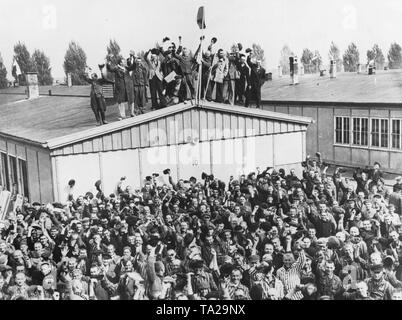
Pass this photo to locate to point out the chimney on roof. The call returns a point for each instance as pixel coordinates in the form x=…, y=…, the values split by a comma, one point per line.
x=301, y=70
x=332, y=69
x=280, y=72
x=294, y=70
x=69, y=80
x=32, y=85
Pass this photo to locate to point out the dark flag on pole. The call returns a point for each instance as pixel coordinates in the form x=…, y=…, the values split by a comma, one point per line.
x=201, y=18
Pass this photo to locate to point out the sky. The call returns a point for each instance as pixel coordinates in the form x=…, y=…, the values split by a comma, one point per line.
x=137, y=25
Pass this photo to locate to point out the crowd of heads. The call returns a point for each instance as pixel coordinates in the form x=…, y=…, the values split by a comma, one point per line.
x=267, y=235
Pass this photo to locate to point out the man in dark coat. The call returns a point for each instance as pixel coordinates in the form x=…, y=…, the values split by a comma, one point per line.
x=124, y=91
x=140, y=81
x=98, y=103
x=255, y=80
x=169, y=65
x=186, y=63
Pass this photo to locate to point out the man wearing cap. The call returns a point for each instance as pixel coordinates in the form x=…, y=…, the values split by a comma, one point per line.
x=328, y=283
x=201, y=278
x=98, y=103
x=398, y=181
x=376, y=174
x=378, y=287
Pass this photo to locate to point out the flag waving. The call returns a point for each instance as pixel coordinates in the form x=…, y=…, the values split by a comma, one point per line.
x=201, y=18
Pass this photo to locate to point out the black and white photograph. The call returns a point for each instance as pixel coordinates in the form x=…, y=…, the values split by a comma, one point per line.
x=201, y=150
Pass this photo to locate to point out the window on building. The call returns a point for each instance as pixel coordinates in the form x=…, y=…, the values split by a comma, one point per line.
x=23, y=183
x=342, y=130
x=384, y=133
x=380, y=133
x=375, y=132
x=360, y=131
x=396, y=134
x=5, y=180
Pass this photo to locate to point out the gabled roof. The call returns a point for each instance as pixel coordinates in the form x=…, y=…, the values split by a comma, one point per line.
x=127, y=123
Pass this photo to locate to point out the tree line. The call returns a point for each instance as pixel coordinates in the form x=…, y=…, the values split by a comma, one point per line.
x=75, y=60
x=312, y=60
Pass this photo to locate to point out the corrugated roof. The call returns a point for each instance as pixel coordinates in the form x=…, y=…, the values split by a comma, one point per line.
x=382, y=87
x=52, y=119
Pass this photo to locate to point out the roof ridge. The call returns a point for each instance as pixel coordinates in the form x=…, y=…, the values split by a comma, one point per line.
x=168, y=111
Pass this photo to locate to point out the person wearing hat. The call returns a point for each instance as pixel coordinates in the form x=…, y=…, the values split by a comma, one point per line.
x=201, y=280
x=329, y=284
x=378, y=287
x=123, y=85
x=140, y=81
x=375, y=174
x=255, y=80
x=98, y=103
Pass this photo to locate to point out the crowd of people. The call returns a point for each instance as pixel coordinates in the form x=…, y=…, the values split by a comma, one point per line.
x=171, y=73
x=268, y=235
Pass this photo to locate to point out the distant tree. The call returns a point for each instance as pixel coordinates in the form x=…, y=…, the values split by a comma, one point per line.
x=3, y=74
x=351, y=58
x=23, y=58
x=395, y=56
x=75, y=61
x=335, y=54
x=41, y=65
x=114, y=49
x=317, y=61
x=258, y=52
x=376, y=54
x=307, y=61
x=284, y=60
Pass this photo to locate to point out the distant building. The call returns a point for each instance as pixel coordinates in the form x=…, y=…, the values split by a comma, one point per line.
x=357, y=117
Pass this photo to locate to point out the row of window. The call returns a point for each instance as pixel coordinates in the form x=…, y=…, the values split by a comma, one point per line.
x=13, y=174
x=374, y=132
